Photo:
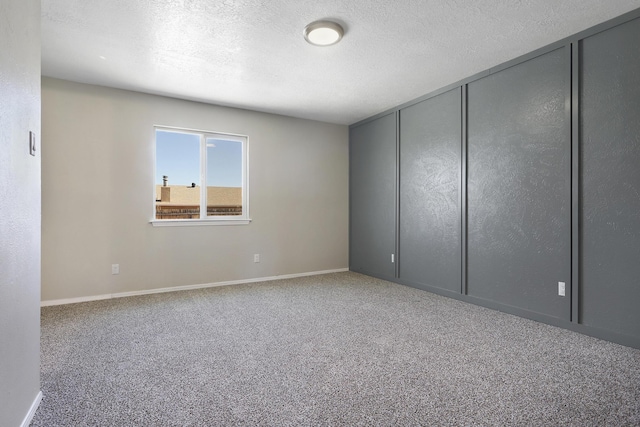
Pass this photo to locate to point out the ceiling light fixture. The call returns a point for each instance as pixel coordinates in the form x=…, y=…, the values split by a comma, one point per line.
x=323, y=33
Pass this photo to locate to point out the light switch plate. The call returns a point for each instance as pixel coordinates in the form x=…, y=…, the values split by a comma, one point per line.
x=32, y=143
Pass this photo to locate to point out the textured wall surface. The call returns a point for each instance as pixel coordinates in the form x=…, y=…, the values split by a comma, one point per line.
x=372, y=169
x=430, y=156
x=98, y=195
x=519, y=186
x=520, y=121
x=610, y=169
x=19, y=209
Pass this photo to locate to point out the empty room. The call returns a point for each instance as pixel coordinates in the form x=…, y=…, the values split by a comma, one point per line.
x=326, y=213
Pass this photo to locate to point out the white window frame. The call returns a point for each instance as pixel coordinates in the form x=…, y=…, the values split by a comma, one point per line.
x=204, y=219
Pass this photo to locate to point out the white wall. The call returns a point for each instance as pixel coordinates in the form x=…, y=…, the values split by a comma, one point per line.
x=98, y=191
x=19, y=210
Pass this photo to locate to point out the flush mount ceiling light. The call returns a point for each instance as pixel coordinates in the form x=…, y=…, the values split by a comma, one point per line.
x=323, y=33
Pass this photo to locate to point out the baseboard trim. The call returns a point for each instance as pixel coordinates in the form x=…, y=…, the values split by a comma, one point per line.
x=186, y=287
x=32, y=410
x=75, y=300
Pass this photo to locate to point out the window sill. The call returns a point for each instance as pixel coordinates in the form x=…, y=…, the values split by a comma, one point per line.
x=197, y=222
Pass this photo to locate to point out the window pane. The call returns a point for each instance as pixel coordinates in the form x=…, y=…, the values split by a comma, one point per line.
x=224, y=177
x=177, y=175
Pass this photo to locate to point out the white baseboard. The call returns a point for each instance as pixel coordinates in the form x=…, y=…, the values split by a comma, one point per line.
x=186, y=287
x=32, y=410
x=75, y=300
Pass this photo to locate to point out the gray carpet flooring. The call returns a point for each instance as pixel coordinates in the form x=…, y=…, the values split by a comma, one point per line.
x=335, y=350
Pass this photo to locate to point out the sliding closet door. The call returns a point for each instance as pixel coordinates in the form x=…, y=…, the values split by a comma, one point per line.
x=519, y=186
x=372, y=193
x=610, y=172
x=430, y=156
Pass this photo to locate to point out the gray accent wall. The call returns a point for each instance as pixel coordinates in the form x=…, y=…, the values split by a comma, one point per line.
x=430, y=154
x=512, y=182
x=372, y=183
x=610, y=179
x=19, y=211
x=519, y=186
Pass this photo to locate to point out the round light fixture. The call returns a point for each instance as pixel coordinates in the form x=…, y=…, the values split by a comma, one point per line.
x=323, y=33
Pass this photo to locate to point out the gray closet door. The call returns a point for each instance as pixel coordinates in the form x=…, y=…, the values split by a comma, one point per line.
x=610, y=172
x=372, y=192
x=430, y=156
x=519, y=191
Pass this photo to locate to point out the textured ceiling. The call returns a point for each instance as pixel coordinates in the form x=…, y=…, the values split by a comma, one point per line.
x=252, y=54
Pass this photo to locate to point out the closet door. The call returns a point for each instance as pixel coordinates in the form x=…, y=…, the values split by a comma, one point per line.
x=430, y=156
x=610, y=179
x=519, y=186
x=372, y=193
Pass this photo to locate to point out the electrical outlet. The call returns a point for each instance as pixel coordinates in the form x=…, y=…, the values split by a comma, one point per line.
x=393, y=258
x=561, y=289
x=115, y=268
x=256, y=257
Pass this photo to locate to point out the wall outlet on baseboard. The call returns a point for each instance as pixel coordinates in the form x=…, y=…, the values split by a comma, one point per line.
x=256, y=257
x=561, y=289
x=115, y=268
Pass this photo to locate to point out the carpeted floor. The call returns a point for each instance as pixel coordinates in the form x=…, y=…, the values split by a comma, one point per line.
x=341, y=350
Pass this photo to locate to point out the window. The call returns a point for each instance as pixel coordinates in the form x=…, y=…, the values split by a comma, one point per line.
x=200, y=178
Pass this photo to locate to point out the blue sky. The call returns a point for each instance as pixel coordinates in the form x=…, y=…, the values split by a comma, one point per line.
x=178, y=157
